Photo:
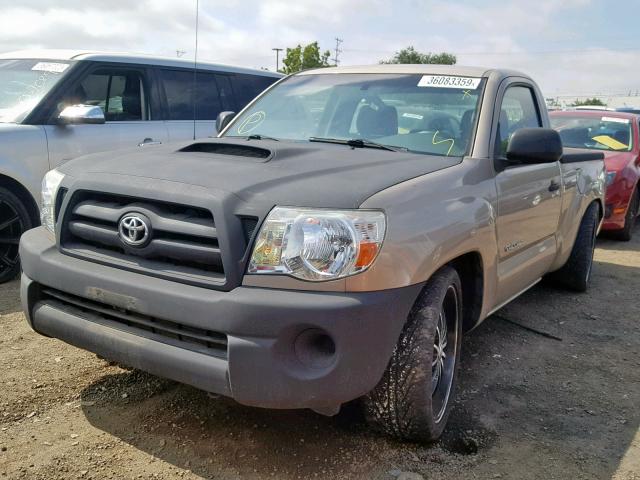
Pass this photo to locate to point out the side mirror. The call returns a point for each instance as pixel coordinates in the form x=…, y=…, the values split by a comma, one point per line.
x=224, y=118
x=81, y=114
x=534, y=145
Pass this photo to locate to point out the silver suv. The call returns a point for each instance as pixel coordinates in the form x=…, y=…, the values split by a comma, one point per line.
x=58, y=105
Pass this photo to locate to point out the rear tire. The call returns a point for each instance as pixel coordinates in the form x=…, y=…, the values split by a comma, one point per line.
x=14, y=221
x=413, y=399
x=576, y=273
x=630, y=219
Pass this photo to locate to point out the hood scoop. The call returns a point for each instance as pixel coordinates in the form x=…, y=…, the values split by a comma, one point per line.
x=232, y=149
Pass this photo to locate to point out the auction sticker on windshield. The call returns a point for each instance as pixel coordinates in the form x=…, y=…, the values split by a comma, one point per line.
x=50, y=67
x=615, y=120
x=446, y=81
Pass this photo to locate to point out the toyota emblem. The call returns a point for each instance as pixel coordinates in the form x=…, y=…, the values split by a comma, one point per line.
x=133, y=230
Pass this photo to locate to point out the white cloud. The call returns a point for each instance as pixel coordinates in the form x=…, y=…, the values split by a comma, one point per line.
x=243, y=32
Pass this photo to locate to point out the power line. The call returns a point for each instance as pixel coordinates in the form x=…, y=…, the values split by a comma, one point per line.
x=338, y=51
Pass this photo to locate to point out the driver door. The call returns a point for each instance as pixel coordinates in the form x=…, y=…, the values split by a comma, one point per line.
x=123, y=92
x=529, y=198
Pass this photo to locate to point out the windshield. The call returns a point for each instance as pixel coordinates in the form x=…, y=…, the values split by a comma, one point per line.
x=594, y=132
x=23, y=83
x=421, y=113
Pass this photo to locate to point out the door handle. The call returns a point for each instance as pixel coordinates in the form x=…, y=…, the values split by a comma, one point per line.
x=149, y=141
x=554, y=186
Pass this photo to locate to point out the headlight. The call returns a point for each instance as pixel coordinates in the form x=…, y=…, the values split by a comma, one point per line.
x=50, y=184
x=611, y=176
x=317, y=245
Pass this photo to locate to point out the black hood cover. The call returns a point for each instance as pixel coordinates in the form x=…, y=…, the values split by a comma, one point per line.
x=278, y=173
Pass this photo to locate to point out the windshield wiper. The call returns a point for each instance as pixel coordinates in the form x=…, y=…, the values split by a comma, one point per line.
x=359, y=143
x=261, y=137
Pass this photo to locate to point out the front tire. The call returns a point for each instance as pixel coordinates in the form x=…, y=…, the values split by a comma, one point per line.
x=413, y=399
x=14, y=221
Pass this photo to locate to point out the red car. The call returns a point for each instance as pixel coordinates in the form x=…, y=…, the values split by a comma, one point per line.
x=617, y=135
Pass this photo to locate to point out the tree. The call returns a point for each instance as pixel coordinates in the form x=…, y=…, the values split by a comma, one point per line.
x=410, y=55
x=302, y=58
x=590, y=102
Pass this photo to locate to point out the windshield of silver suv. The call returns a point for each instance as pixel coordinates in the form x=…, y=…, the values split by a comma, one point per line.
x=430, y=114
x=23, y=83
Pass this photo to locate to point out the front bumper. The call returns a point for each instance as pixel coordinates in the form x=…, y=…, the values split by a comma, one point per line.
x=615, y=216
x=270, y=358
x=617, y=202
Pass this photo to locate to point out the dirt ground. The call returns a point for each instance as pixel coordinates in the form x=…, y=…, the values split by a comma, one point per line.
x=529, y=406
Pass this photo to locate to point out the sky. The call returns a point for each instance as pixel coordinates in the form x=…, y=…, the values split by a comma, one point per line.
x=570, y=47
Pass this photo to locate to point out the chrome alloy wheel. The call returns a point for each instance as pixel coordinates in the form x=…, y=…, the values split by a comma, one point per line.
x=444, y=353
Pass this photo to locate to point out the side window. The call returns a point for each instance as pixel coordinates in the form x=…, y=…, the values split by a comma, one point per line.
x=119, y=93
x=208, y=104
x=180, y=92
x=178, y=88
x=248, y=87
x=519, y=110
x=226, y=92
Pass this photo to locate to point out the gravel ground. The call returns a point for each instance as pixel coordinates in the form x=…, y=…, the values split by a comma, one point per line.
x=529, y=406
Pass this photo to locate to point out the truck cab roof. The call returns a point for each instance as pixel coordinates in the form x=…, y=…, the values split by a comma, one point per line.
x=454, y=70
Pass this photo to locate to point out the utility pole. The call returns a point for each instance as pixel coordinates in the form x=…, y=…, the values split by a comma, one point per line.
x=338, y=51
x=277, y=50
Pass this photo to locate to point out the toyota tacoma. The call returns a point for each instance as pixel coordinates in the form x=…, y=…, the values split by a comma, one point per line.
x=333, y=243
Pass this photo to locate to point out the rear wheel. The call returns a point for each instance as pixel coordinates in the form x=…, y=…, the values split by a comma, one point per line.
x=630, y=219
x=14, y=221
x=576, y=273
x=413, y=399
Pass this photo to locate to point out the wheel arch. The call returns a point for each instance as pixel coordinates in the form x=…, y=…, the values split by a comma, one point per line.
x=470, y=268
x=601, y=210
x=23, y=194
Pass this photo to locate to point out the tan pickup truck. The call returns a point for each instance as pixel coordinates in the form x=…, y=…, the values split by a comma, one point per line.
x=334, y=243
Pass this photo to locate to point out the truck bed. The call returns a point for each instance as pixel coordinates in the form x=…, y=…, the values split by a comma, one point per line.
x=577, y=155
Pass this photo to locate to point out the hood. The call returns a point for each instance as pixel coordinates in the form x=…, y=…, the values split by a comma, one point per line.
x=616, y=161
x=276, y=172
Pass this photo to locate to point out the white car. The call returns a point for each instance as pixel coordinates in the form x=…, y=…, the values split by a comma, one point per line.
x=57, y=105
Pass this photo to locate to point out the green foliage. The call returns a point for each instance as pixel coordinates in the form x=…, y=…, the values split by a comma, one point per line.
x=590, y=102
x=410, y=55
x=302, y=58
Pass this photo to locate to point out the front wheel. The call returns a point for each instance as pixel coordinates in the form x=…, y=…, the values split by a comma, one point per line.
x=14, y=221
x=413, y=399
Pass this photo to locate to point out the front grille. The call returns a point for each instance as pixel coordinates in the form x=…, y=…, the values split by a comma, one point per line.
x=183, y=241
x=196, y=339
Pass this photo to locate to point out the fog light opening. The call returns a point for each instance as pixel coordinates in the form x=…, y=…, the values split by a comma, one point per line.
x=315, y=348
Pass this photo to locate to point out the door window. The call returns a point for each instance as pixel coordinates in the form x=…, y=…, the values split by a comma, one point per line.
x=120, y=94
x=247, y=87
x=182, y=88
x=226, y=92
x=518, y=110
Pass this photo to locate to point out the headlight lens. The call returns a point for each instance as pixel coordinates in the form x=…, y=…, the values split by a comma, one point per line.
x=317, y=245
x=611, y=176
x=50, y=184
